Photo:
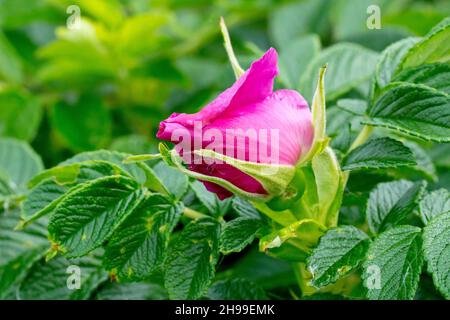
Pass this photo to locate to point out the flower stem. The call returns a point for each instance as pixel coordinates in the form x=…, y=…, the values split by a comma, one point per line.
x=363, y=135
x=192, y=214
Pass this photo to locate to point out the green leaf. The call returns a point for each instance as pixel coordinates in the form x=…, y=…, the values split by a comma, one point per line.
x=19, y=250
x=42, y=200
x=339, y=251
x=414, y=109
x=84, y=125
x=390, y=203
x=294, y=242
x=355, y=106
x=433, y=204
x=49, y=280
x=238, y=233
x=210, y=200
x=20, y=114
x=18, y=163
x=294, y=58
x=236, y=289
x=140, y=171
x=390, y=59
x=132, y=291
x=53, y=183
x=348, y=66
x=84, y=219
x=292, y=20
x=435, y=75
x=244, y=209
x=434, y=47
x=11, y=68
x=379, y=153
x=137, y=247
x=436, y=247
x=394, y=263
x=191, y=260
x=174, y=181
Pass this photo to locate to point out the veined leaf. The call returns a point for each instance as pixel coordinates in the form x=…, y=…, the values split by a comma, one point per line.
x=210, y=200
x=236, y=289
x=379, y=153
x=348, y=66
x=238, y=233
x=87, y=217
x=355, y=106
x=19, y=250
x=191, y=260
x=132, y=291
x=436, y=247
x=18, y=163
x=174, y=181
x=435, y=75
x=391, y=202
x=140, y=171
x=244, y=209
x=433, y=204
x=339, y=251
x=414, y=109
x=393, y=265
x=434, y=47
x=138, y=246
x=54, y=183
x=50, y=280
x=390, y=59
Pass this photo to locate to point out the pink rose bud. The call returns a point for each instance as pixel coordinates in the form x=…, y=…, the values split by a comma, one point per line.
x=249, y=139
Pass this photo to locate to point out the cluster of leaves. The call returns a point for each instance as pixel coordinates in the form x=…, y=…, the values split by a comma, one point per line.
x=145, y=231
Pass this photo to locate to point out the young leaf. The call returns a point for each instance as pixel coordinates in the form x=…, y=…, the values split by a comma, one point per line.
x=137, y=247
x=435, y=75
x=339, y=251
x=433, y=204
x=191, y=260
x=391, y=202
x=238, y=233
x=436, y=237
x=379, y=153
x=88, y=216
x=414, y=109
x=236, y=289
x=394, y=263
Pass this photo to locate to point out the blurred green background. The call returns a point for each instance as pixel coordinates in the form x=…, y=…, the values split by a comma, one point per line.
x=108, y=82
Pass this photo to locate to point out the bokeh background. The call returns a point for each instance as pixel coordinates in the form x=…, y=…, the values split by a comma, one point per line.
x=129, y=64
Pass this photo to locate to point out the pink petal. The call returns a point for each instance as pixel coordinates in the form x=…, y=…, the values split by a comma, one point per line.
x=254, y=85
